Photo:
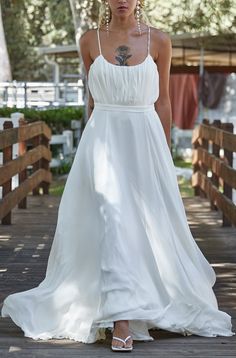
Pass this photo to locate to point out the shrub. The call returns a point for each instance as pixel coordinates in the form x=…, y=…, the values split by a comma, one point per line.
x=57, y=119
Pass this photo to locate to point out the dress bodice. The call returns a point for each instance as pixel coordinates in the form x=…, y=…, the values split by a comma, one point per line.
x=124, y=85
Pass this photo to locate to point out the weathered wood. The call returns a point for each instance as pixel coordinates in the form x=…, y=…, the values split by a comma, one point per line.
x=39, y=157
x=223, y=175
x=45, y=163
x=24, y=250
x=217, y=162
x=218, y=167
x=218, y=136
x=228, y=157
x=36, y=165
x=6, y=187
x=222, y=202
x=14, y=197
x=17, y=165
x=22, y=149
x=203, y=166
x=195, y=164
x=20, y=134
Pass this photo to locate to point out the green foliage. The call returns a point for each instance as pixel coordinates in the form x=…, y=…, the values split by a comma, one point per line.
x=57, y=119
x=185, y=185
x=64, y=168
x=29, y=24
x=32, y=23
x=57, y=186
x=57, y=190
x=178, y=16
x=180, y=162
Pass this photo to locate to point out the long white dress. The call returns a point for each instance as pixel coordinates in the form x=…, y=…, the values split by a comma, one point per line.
x=122, y=247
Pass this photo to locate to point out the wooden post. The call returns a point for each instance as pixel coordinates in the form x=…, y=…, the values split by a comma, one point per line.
x=45, y=164
x=228, y=157
x=23, y=174
x=36, y=165
x=216, y=152
x=7, y=186
x=203, y=167
x=196, y=168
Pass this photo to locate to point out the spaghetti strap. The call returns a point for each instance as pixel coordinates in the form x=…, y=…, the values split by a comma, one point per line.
x=99, y=45
x=149, y=39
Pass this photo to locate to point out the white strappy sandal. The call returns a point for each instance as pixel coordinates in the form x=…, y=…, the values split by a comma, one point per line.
x=127, y=349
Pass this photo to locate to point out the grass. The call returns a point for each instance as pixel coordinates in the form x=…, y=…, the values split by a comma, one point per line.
x=185, y=185
x=57, y=186
x=180, y=162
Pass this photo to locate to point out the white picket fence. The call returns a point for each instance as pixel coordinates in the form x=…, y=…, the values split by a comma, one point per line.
x=41, y=94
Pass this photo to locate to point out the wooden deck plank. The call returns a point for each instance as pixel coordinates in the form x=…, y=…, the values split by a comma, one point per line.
x=24, y=249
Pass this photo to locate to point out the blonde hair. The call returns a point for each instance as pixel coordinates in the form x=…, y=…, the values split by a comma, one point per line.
x=102, y=19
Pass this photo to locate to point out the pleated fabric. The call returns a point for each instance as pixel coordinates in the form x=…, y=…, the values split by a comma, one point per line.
x=122, y=247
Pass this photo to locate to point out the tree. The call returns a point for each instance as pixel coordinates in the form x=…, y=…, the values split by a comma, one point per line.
x=179, y=16
x=5, y=69
x=32, y=23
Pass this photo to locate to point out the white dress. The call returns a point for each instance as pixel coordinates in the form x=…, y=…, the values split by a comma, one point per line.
x=122, y=247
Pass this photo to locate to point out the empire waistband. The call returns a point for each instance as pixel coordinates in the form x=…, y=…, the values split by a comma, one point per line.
x=124, y=107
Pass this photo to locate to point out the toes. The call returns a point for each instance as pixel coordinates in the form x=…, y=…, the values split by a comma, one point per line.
x=116, y=343
x=129, y=343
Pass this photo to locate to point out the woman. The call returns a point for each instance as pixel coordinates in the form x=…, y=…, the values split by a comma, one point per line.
x=123, y=256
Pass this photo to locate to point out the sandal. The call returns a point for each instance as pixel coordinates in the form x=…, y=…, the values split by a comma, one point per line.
x=116, y=348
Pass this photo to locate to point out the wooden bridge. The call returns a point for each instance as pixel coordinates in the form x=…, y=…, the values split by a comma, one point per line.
x=24, y=249
x=25, y=245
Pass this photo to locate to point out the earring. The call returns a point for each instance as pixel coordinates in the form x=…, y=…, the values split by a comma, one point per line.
x=138, y=15
x=107, y=10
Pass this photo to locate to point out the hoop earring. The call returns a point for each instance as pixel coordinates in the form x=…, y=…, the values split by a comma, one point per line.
x=138, y=15
x=107, y=10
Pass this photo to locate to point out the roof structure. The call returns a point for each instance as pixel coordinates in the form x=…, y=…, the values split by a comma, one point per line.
x=60, y=51
x=189, y=50
x=216, y=52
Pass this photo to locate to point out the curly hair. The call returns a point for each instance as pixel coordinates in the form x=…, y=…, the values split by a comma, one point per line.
x=102, y=18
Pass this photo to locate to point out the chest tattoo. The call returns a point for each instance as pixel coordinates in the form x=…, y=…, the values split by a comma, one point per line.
x=122, y=55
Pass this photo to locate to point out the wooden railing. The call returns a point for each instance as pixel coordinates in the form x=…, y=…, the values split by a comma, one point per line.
x=37, y=135
x=208, y=140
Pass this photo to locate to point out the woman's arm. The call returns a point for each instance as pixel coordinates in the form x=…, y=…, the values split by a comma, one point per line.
x=163, y=105
x=84, y=43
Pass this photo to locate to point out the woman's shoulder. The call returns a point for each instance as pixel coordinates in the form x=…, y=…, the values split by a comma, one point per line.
x=160, y=35
x=87, y=38
x=88, y=33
